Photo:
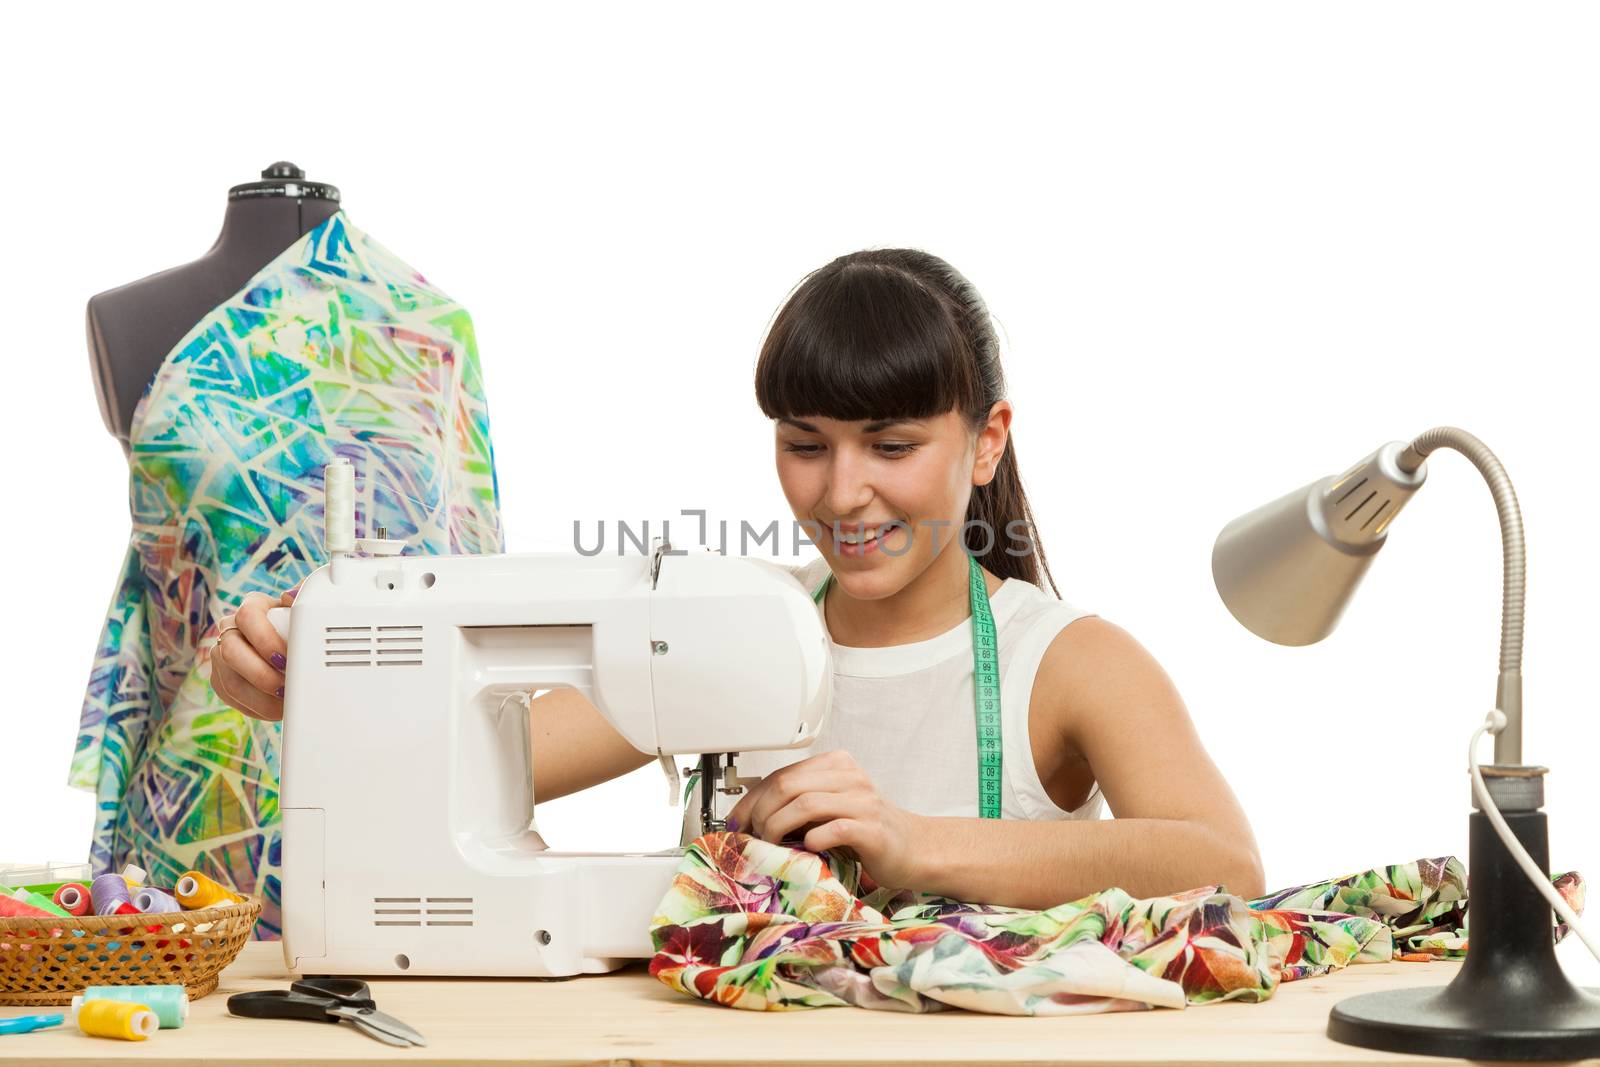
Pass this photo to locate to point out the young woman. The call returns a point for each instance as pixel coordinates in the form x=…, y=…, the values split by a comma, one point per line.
x=882, y=376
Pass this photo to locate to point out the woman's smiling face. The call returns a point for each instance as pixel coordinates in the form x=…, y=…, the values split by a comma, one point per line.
x=855, y=477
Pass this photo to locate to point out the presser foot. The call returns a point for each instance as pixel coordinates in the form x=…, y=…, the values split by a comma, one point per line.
x=716, y=778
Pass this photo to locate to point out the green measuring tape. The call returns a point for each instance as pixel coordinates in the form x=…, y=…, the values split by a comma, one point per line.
x=985, y=688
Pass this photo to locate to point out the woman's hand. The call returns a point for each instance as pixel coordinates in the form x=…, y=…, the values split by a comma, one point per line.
x=827, y=801
x=247, y=664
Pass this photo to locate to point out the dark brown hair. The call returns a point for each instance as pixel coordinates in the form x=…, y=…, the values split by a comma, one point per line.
x=897, y=333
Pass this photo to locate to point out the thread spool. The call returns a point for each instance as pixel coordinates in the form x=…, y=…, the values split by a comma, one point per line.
x=134, y=875
x=150, y=901
x=169, y=1002
x=338, y=508
x=195, y=890
x=125, y=907
x=115, y=1018
x=107, y=892
x=73, y=898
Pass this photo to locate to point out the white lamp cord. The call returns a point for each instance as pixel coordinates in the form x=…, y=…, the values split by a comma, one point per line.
x=1493, y=723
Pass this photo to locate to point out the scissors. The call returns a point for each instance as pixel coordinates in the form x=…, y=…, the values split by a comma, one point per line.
x=326, y=1000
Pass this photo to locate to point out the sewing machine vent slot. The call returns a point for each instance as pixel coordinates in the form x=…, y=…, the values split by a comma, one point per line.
x=390, y=906
x=399, y=646
x=368, y=646
x=427, y=911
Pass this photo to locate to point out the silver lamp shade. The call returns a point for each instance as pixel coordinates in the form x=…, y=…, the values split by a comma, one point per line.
x=1286, y=570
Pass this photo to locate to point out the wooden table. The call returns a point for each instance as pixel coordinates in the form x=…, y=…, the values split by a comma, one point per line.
x=627, y=1017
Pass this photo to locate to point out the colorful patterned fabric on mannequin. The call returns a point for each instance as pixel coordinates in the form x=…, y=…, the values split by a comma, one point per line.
x=335, y=348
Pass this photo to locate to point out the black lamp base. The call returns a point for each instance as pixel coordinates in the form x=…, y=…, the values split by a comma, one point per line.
x=1430, y=1022
x=1510, y=1000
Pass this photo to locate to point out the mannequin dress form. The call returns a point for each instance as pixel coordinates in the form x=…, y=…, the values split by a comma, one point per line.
x=231, y=382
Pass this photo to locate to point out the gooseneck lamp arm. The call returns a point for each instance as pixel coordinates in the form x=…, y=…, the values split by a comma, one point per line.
x=1286, y=571
x=1508, y=693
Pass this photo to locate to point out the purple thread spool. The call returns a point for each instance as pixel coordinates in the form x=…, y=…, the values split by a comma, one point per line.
x=108, y=891
x=154, y=901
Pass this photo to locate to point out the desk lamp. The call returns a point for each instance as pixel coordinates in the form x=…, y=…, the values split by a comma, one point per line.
x=1286, y=571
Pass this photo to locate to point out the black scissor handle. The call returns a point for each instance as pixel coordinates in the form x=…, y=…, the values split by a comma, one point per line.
x=350, y=992
x=282, y=1004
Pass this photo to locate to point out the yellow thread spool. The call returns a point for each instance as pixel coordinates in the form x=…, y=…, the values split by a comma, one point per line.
x=195, y=890
x=116, y=1018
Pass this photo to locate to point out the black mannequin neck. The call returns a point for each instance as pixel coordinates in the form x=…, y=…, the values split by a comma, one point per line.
x=255, y=230
x=133, y=327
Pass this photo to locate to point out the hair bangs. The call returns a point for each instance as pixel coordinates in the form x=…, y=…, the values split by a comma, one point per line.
x=861, y=341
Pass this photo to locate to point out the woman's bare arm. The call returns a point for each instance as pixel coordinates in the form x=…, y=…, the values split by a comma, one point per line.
x=574, y=747
x=1123, y=713
x=1178, y=825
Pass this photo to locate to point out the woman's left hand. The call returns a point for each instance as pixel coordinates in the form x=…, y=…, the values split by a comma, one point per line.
x=828, y=801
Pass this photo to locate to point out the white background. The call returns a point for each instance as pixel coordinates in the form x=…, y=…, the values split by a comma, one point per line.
x=1233, y=248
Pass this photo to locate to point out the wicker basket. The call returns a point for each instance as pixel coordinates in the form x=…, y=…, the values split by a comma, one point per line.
x=49, y=960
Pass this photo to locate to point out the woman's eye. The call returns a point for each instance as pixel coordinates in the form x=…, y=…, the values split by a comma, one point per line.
x=893, y=450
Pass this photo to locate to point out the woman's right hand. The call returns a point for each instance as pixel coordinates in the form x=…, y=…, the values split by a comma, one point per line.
x=247, y=665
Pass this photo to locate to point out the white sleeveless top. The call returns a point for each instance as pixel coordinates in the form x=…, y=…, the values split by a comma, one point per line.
x=905, y=712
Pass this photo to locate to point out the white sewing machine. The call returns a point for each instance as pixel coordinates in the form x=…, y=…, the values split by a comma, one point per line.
x=407, y=788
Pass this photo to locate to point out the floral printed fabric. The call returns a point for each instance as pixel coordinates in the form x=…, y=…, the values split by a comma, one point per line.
x=751, y=924
x=1423, y=903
